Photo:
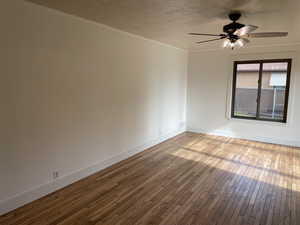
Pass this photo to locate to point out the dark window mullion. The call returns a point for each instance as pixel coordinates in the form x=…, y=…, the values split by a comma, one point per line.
x=259, y=90
x=287, y=90
x=233, y=88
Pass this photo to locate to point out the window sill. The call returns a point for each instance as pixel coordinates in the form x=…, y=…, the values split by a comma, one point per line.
x=258, y=122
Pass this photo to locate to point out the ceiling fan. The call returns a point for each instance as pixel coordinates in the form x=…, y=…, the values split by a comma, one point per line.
x=237, y=34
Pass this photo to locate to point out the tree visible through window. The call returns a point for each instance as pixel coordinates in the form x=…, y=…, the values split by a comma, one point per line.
x=261, y=89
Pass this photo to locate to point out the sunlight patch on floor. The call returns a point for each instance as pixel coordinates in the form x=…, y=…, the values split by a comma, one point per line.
x=262, y=171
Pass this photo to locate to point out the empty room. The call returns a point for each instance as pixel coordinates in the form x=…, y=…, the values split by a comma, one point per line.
x=150, y=112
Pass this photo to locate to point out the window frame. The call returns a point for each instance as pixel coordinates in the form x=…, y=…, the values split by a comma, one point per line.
x=261, y=62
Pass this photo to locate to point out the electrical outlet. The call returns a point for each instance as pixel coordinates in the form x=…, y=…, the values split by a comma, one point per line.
x=55, y=174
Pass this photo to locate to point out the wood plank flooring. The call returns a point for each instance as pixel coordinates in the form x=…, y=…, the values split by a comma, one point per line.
x=191, y=179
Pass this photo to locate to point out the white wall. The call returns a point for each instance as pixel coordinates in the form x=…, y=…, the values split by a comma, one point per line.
x=77, y=95
x=209, y=96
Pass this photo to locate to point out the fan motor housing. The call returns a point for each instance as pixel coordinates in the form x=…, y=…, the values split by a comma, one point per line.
x=232, y=27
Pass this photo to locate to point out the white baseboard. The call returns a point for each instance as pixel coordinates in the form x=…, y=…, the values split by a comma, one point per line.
x=42, y=190
x=294, y=143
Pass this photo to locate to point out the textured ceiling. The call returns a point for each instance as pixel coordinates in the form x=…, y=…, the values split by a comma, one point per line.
x=169, y=21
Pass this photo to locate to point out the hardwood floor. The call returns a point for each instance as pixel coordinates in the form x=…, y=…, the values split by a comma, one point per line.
x=192, y=179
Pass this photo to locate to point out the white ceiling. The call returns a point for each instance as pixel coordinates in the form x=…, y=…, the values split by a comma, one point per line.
x=169, y=21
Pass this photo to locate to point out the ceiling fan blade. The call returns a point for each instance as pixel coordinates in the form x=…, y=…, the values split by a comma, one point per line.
x=267, y=34
x=245, y=40
x=215, y=35
x=245, y=30
x=216, y=39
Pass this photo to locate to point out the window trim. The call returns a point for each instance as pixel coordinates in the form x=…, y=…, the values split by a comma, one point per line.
x=260, y=62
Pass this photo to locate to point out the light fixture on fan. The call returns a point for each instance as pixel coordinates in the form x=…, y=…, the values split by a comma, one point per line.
x=236, y=34
x=235, y=43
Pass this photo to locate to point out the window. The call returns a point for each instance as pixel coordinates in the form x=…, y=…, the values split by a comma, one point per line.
x=261, y=89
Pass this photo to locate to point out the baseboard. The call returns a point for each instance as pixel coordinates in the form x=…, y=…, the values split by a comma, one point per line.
x=45, y=189
x=293, y=143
